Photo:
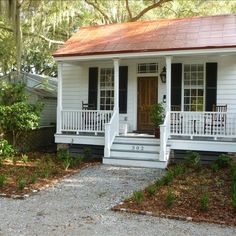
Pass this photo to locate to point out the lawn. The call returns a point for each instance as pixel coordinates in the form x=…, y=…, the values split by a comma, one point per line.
x=22, y=174
x=190, y=191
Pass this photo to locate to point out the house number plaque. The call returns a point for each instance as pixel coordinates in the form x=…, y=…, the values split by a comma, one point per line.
x=137, y=148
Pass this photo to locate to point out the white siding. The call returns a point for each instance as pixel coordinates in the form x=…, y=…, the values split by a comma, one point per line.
x=48, y=115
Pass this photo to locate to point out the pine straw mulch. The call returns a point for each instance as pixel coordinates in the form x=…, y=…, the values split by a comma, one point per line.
x=187, y=189
x=39, y=172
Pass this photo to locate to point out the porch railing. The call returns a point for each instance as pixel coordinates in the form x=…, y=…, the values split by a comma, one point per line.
x=84, y=120
x=164, y=135
x=111, y=130
x=207, y=124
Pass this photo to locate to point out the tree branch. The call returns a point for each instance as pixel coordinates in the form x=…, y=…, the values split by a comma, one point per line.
x=128, y=9
x=99, y=10
x=145, y=10
x=33, y=35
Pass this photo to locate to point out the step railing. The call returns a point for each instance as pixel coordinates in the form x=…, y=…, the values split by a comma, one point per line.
x=164, y=135
x=111, y=131
x=205, y=124
x=84, y=120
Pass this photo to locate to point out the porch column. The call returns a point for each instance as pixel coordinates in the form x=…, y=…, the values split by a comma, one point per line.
x=116, y=84
x=59, y=97
x=168, y=83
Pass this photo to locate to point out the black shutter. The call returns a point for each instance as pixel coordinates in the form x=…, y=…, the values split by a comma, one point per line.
x=211, y=85
x=93, y=87
x=176, y=84
x=123, y=84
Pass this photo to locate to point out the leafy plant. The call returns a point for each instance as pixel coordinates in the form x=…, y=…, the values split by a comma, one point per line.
x=151, y=189
x=138, y=196
x=193, y=159
x=157, y=114
x=6, y=150
x=219, y=182
x=169, y=198
x=179, y=170
x=204, y=202
x=233, y=172
x=2, y=180
x=223, y=161
x=214, y=167
x=24, y=158
x=21, y=183
x=78, y=160
x=33, y=179
x=167, y=179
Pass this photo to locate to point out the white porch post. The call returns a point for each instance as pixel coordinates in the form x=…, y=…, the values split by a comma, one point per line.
x=116, y=84
x=59, y=97
x=168, y=83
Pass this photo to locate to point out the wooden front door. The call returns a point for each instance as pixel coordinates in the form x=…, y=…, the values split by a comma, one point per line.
x=147, y=96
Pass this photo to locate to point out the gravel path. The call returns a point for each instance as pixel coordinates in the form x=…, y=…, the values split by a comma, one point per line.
x=80, y=205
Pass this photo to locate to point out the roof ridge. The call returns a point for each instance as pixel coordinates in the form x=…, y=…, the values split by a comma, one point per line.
x=153, y=20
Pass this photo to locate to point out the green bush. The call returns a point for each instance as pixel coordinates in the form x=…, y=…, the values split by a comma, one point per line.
x=169, y=198
x=21, y=183
x=214, y=167
x=6, y=150
x=192, y=159
x=138, y=196
x=2, y=180
x=179, y=170
x=151, y=189
x=167, y=179
x=157, y=114
x=34, y=179
x=204, y=202
x=24, y=158
x=223, y=161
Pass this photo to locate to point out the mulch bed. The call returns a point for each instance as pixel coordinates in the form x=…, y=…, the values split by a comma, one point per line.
x=187, y=189
x=47, y=174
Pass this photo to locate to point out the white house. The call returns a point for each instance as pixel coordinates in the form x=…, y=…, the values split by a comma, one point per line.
x=109, y=75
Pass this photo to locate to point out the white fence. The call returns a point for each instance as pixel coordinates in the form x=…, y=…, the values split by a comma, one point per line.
x=84, y=120
x=207, y=124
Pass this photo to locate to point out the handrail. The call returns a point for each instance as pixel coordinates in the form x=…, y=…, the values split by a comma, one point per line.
x=111, y=130
x=164, y=135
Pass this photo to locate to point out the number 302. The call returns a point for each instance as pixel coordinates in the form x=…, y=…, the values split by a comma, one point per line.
x=137, y=148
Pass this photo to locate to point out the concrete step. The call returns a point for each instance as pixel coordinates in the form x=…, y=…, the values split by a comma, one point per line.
x=133, y=154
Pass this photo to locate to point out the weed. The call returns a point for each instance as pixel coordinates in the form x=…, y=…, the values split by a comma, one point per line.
x=21, y=183
x=2, y=180
x=159, y=183
x=138, y=196
x=14, y=159
x=169, y=198
x=204, y=202
x=233, y=199
x=24, y=158
x=223, y=161
x=151, y=189
x=33, y=179
x=219, y=182
x=78, y=160
x=233, y=172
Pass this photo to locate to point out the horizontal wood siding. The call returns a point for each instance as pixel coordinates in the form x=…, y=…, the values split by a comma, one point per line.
x=74, y=86
x=48, y=115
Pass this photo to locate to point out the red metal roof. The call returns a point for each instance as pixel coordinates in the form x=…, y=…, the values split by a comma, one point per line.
x=156, y=35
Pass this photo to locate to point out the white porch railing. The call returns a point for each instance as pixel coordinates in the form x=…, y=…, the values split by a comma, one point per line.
x=84, y=120
x=111, y=130
x=207, y=124
x=164, y=135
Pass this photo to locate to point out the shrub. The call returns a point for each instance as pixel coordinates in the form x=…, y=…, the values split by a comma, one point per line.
x=138, y=196
x=214, y=167
x=21, y=183
x=169, y=198
x=6, y=150
x=192, y=159
x=152, y=190
x=65, y=157
x=168, y=178
x=159, y=183
x=2, y=180
x=78, y=160
x=24, y=158
x=179, y=170
x=223, y=161
x=33, y=179
x=204, y=202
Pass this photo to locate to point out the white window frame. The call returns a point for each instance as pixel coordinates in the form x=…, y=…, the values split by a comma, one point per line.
x=204, y=83
x=147, y=64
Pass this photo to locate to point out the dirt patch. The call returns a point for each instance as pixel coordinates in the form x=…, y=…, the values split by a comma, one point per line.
x=187, y=189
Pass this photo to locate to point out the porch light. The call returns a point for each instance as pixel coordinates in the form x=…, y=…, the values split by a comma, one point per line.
x=163, y=75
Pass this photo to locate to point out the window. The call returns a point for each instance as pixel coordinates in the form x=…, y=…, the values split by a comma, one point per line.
x=147, y=68
x=106, y=88
x=193, y=87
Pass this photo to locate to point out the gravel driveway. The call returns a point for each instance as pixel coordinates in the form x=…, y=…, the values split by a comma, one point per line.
x=80, y=205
